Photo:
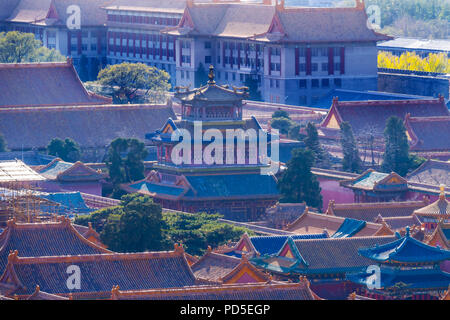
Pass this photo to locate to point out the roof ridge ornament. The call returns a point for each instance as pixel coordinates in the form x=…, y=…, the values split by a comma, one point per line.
x=211, y=75
x=442, y=193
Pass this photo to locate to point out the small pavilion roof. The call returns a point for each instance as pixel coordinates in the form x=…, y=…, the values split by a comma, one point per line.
x=17, y=171
x=438, y=209
x=405, y=250
x=61, y=170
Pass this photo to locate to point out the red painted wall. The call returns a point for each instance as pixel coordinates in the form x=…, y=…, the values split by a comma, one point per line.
x=331, y=190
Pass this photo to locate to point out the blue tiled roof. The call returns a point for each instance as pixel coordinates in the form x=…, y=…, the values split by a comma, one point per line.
x=155, y=188
x=369, y=180
x=349, y=228
x=405, y=250
x=70, y=202
x=232, y=185
x=414, y=279
x=273, y=244
x=52, y=171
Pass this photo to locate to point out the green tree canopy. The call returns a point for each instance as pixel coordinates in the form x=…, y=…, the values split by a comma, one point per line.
x=126, y=79
x=18, y=47
x=68, y=150
x=125, y=161
x=396, y=157
x=351, y=161
x=321, y=157
x=251, y=83
x=3, y=144
x=138, y=224
x=280, y=114
x=297, y=184
x=201, y=76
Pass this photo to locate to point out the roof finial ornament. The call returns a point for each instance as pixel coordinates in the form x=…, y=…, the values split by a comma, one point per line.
x=211, y=75
x=408, y=232
x=442, y=194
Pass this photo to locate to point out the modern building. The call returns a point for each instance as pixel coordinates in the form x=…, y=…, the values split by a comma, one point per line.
x=76, y=28
x=296, y=55
x=422, y=47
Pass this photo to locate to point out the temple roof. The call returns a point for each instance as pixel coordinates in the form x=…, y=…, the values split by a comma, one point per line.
x=370, y=211
x=405, y=250
x=214, y=266
x=44, y=239
x=100, y=124
x=211, y=94
x=418, y=280
x=439, y=208
x=7, y=7
x=41, y=295
x=432, y=173
x=371, y=116
x=311, y=222
x=44, y=84
x=332, y=255
x=100, y=273
x=54, y=12
x=277, y=23
x=426, y=133
x=377, y=181
x=397, y=223
x=66, y=171
x=253, y=291
x=441, y=236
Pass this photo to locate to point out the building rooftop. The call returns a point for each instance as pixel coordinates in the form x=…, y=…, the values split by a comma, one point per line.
x=412, y=44
x=44, y=84
x=426, y=133
x=100, y=124
x=44, y=239
x=100, y=273
x=17, y=171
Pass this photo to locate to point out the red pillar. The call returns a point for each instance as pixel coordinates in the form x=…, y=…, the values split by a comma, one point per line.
x=69, y=43
x=343, y=60
x=239, y=55
x=297, y=64
x=270, y=61
x=99, y=42
x=330, y=61
x=79, y=42
x=308, y=62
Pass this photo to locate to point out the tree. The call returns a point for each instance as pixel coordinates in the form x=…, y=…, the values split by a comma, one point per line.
x=18, y=47
x=396, y=157
x=351, y=161
x=282, y=124
x=280, y=114
x=297, y=184
x=251, y=82
x=321, y=157
x=126, y=79
x=68, y=150
x=84, y=68
x=125, y=161
x=201, y=76
x=3, y=144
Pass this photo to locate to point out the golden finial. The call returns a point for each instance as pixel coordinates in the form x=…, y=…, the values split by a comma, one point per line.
x=211, y=75
x=442, y=194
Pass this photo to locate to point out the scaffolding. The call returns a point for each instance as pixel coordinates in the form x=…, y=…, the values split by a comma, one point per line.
x=21, y=201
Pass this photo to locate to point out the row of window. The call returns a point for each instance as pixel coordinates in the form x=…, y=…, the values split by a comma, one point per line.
x=319, y=83
x=143, y=51
x=116, y=36
x=143, y=20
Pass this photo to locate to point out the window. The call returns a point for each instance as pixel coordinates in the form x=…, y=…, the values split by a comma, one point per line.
x=325, y=83
x=324, y=66
x=302, y=84
x=302, y=67
x=226, y=75
x=338, y=82
x=315, y=67
x=314, y=100
x=323, y=52
x=188, y=75
x=207, y=45
x=182, y=74
x=314, y=52
x=337, y=66
x=302, y=52
x=315, y=83
x=208, y=60
x=303, y=100
x=277, y=83
x=241, y=77
x=234, y=76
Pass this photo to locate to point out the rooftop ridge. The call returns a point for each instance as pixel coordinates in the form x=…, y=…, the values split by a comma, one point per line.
x=390, y=102
x=14, y=257
x=60, y=64
x=343, y=239
x=429, y=119
x=378, y=204
x=209, y=288
x=81, y=106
